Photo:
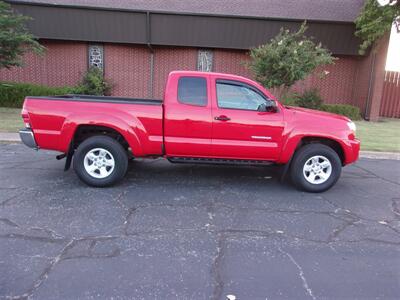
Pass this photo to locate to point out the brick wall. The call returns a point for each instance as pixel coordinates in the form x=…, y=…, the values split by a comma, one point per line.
x=337, y=85
x=346, y=82
x=231, y=61
x=63, y=64
x=128, y=68
x=170, y=59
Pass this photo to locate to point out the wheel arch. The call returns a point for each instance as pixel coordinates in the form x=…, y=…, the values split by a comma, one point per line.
x=85, y=131
x=294, y=143
x=126, y=126
x=332, y=143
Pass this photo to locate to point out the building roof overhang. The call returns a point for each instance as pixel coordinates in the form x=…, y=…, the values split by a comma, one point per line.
x=166, y=28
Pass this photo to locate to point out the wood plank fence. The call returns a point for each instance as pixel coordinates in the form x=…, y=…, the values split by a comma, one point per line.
x=390, y=104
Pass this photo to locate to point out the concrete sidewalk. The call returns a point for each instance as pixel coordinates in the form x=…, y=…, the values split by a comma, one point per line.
x=14, y=137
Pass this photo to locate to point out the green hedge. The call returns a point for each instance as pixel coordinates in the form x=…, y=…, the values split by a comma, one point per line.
x=349, y=111
x=311, y=99
x=13, y=94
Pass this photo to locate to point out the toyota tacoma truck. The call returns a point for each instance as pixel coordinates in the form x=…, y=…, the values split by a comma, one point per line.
x=204, y=118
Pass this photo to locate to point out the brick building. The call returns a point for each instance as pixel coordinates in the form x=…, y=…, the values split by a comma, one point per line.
x=137, y=43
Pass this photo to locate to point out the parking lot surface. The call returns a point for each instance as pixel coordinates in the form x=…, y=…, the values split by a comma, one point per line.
x=196, y=232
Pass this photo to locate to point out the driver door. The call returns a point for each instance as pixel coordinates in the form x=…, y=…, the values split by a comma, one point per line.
x=241, y=128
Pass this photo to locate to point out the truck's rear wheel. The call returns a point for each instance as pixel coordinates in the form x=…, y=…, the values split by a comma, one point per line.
x=100, y=161
x=315, y=168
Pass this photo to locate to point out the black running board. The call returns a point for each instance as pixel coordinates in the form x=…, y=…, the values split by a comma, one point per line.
x=219, y=161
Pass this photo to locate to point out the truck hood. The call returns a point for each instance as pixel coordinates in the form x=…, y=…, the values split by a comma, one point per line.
x=317, y=113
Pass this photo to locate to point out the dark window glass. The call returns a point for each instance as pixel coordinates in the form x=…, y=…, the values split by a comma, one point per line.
x=239, y=97
x=192, y=90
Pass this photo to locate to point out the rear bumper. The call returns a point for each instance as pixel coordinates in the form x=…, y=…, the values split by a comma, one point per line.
x=28, y=138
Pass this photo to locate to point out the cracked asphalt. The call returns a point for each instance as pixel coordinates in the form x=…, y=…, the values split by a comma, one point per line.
x=196, y=232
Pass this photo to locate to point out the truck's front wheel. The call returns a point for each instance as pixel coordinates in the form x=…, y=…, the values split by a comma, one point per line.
x=315, y=168
x=100, y=161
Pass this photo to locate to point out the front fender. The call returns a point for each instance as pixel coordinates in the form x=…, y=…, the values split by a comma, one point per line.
x=294, y=138
x=289, y=146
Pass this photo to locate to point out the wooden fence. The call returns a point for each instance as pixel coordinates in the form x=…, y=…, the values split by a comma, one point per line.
x=390, y=104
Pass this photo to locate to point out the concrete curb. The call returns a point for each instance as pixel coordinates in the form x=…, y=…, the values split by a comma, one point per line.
x=380, y=155
x=14, y=137
x=9, y=137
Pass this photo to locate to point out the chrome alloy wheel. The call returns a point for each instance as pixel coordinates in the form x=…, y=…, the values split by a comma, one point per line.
x=99, y=163
x=317, y=169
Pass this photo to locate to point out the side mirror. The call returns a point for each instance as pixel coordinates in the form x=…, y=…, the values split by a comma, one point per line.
x=269, y=106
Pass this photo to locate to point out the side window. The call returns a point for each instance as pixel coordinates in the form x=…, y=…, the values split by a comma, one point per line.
x=239, y=97
x=192, y=90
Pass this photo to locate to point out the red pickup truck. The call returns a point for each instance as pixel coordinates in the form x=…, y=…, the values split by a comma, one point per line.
x=204, y=118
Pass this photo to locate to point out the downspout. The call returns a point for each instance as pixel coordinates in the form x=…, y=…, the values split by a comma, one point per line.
x=151, y=49
x=371, y=81
x=151, y=85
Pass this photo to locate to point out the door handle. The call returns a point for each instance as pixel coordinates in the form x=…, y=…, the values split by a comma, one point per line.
x=222, y=118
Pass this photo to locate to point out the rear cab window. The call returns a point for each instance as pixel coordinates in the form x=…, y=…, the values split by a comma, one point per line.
x=192, y=90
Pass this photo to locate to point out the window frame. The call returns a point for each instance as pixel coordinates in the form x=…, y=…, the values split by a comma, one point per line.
x=241, y=84
x=192, y=104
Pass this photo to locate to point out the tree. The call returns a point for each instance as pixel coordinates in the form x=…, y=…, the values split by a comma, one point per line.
x=374, y=21
x=15, y=39
x=287, y=58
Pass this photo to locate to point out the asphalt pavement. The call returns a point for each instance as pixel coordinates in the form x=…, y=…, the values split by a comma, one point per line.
x=172, y=231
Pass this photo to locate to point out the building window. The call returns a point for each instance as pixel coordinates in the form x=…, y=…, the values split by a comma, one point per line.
x=205, y=60
x=96, y=56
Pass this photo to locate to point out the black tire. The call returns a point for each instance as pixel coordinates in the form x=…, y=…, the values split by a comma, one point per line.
x=114, y=148
x=303, y=155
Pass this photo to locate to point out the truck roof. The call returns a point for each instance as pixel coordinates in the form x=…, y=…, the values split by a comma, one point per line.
x=231, y=76
x=201, y=73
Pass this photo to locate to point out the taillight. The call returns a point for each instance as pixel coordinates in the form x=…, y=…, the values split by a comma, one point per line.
x=25, y=118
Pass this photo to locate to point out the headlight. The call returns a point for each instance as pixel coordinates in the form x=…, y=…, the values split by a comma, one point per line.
x=352, y=126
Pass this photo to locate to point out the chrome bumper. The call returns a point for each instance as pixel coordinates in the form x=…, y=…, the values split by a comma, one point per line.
x=27, y=138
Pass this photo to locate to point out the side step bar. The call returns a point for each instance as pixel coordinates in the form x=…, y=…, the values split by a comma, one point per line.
x=219, y=161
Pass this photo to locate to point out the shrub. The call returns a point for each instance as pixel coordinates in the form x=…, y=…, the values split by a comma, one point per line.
x=349, y=111
x=290, y=99
x=312, y=99
x=93, y=83
x=287, y=58
x=309, y=99
x=13, y=94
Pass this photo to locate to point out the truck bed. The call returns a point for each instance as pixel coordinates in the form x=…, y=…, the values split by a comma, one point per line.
x=55, y=119
x=106, y=99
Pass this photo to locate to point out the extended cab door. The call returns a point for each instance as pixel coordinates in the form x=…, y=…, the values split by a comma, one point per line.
x=244, y=127
x=187, y=115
